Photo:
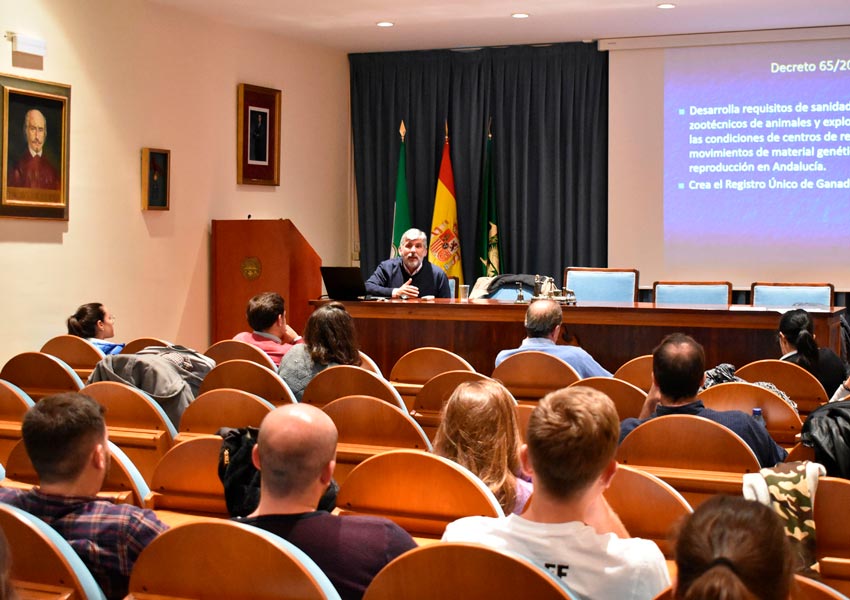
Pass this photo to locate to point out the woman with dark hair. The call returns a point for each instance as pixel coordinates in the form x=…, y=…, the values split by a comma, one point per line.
x=95, y=323
x=479, y=431
x=798, y=345
x=733, y=549
x=329, y=340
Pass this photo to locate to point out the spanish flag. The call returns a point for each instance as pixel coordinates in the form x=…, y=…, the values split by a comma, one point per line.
x=444, y=249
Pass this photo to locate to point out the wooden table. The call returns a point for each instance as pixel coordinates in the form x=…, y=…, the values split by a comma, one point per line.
x=612, y=332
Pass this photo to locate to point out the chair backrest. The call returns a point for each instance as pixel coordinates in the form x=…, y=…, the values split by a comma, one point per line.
x=833, y=533
x=40, y=375
x=602, y=285
x=692, y=292
x=763, y=293
x=420, y=491
x=134, y=346
x=224, y=559
x=434, y=393
x=637, y=371
x=136, y=423
x=41, y=557
x=224, y=407
x=186, y=479
x=687, y=442
x=800, y=385
x=78, y=353
x=523, y=415
x=631, y=491
x=234, y=349
x=124, y=483
x=627, y=397
x=809, y=589
x=421, y=364
x=371, y=421
x=345, y=380
x=368, y=363
x=14, y=403
x=460, y=570
x=453, y=286
x=250, y=377
x=530, y=375
x=782, y=421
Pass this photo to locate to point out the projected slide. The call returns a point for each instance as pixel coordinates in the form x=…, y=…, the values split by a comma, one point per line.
x=757, y=153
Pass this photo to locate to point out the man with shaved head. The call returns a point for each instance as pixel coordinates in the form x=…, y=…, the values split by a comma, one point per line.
x=296, y=456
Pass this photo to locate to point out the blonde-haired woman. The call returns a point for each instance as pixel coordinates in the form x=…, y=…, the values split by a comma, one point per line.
x=479, y=431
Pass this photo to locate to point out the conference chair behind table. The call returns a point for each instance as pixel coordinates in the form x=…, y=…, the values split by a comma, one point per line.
x=800, y=385
x=14, y=404
x=39, y=375
x=429, y=400
x=637, y=371
x=692, y=292
x=248, y=376
x=224, y=559
x=347, y=380
x=628, y=398
x=368, y=426
x=411, y=371
x=602, y=285
x=78, y=353
x=768, y=294
x=234, y=349
x=530, y=375
x=696, y=456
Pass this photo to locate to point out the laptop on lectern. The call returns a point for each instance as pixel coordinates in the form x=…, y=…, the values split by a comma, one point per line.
x=344, y=283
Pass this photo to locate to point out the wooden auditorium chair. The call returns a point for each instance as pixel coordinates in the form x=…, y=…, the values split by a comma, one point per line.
x=804, y=588
x=134, y=346
x=602, y=285
x=692, y=292
x=14, y=404
x=248, y=376
x=234, y=349
x=462, y=570
x=627, y=397
x=78, y=353
x=421, y=492
x=637, y=371
x=39, y=375
x=698, y=457
x=225, y=559
x=833, y=534
x=429, y=400
x=782, y=421
x=530, y=375
x=346, y=380
x=800, y=385
x=368, y=426
x=224, y=407
x=767, y=294
x=137, y=424
x=411, y=371
x=43, y=563
x=368, y=363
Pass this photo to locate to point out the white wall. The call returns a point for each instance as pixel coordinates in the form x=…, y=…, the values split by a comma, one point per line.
x=143, y=75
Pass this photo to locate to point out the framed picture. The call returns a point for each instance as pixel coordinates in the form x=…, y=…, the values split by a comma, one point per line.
x=258, y=135
x=156, y=178
x=35, y=148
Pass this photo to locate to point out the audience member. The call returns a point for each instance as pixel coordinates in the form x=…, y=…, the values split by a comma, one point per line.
x=479, y=431
x=409, y=275
x=330, y=339
x=65, y=437
x=569, y=527
x=798, y=345
x=95, y=323
x=296, y=456
x=734, y=549
x=271, y=333
x=678, y=372
x=543, y=327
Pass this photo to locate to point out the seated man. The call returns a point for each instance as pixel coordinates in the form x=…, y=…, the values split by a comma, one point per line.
x=409, y=275
x=272, y=335
x=543, y=326
x=569, y=527
x=65, y=437
x=678, y=372
x=296, y=456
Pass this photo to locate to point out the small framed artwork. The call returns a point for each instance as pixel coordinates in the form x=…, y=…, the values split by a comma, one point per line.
x=258, y=135
x=35, y=148
x=156, y=178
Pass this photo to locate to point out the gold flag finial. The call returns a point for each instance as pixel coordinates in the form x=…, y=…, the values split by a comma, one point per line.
x=447, y=130
x=401, y=130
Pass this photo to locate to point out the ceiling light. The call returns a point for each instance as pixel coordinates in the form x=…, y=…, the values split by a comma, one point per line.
x=384, y=23
x=520, y=15
x=665, y=5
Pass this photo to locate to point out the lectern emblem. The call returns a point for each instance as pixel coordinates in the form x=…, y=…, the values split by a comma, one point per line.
x=251, y=268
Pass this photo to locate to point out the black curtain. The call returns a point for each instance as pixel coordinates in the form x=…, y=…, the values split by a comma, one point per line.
x=547, y=107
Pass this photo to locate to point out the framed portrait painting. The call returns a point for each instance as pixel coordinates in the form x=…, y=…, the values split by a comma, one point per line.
x=35, y=147
x=258, y=135
x=156, y=179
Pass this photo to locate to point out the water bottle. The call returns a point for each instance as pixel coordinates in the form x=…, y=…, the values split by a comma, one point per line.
x=758, y=416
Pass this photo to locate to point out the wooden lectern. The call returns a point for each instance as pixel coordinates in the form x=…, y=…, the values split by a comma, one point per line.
x=250, y=257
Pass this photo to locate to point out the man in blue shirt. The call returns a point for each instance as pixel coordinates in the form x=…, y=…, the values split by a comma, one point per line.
x=678, y=372
x=543, y=326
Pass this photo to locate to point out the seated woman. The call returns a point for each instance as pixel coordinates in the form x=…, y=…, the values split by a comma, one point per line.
x=95, y=323
x=733, y=548
x=798, y=344
x=329, y=340
x=479, y=431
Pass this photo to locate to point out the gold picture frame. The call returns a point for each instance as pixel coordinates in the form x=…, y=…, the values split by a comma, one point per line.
x=156, y=179
x=258, y=135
